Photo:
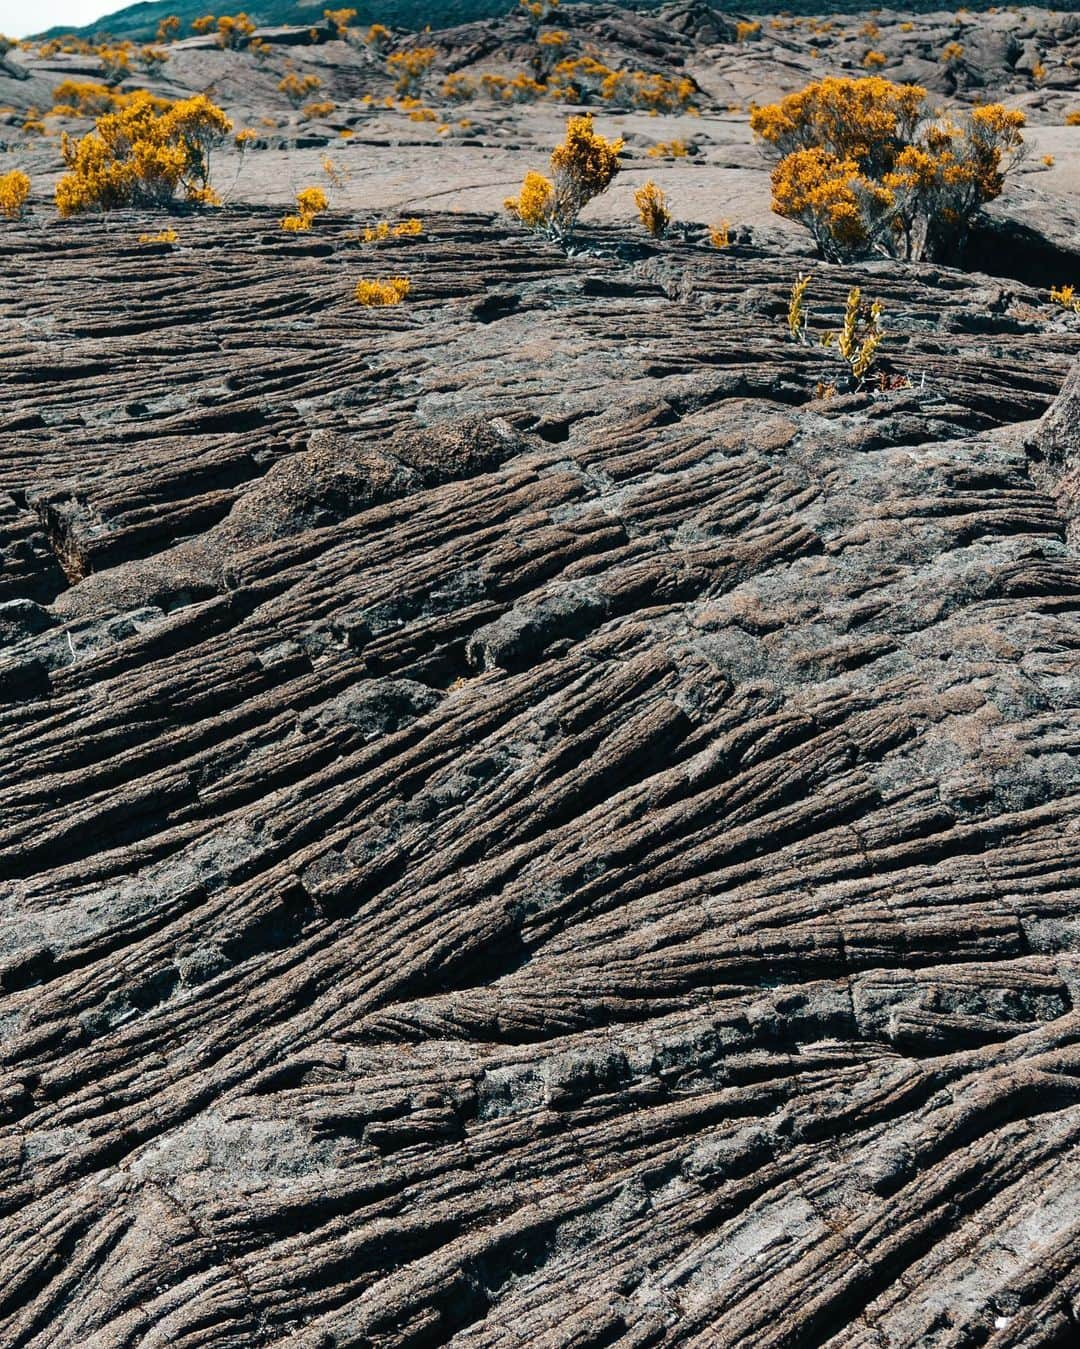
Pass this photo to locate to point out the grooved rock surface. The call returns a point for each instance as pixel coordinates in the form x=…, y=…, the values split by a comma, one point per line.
x=522, y=825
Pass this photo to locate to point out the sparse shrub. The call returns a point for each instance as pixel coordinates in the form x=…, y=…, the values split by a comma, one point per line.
x=410, y=67
x=296, y=89
x=203, y=25
x=865, y=171
x=384, y=230
x=234, y=30
x=668, y=150
x=423, y=115
x=166, y=236
x=244, y=138
x=720, y=235
x=581, y=78
x=652, y=208
x=153, y=58
x=142, y=154
x=1065, y=296
x=334, y=175
x=1038, y=72
x=116, y=60
x=340, y=18
x=379, y=294
x=312, y=111
x=83, y=98
x=856, y=342
x=1073, y=118
x=874, y=60
x=1048, y=160
x=907, y=27
x=310, y=203
x=952, y=54
x=583, y=166
x=458, y=87
x=378, y=37
x=14, y=191
x=746, y=28
x=167, y=28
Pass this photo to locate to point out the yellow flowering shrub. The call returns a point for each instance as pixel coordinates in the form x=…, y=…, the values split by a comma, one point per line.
x=296, y=89
x=404, y=229
x=83, y=98
x=153, y=58
x=142, y=154
x=720, y=235
x=203, y=25
x=856, y=342
x=668, y=150
x=310, y=202
x=583, y=166
x=14, y=191
x=340, y=18
x=1065, y=296
x=1073, y=118
x=379, y=294
x=167, y=28
x=866, y=170
x=167, y=236
x=377, y=36
x=313, y=111
x=116, y=61
x=652, y=208
x=410, y=67
x=952, y=53
x=234, y=30
x=746, y=28
x=874, y=60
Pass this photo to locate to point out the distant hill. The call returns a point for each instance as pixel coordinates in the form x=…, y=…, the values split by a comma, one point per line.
x=139, y=22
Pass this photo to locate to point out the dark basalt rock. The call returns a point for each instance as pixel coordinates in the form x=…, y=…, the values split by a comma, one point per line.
x=537, y=832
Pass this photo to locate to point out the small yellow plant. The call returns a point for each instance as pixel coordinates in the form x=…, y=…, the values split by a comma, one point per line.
x=668, y=150
x=410, y=67
x=14, y=191
x=423, y=115
x=340, y=18
x=378, y=37
x=379, y=294
x=83, y=98
x=951, y=54
x=203, y=25
x=907, y=28
x=1038, y=72
x=313, y=111
x=583, y=166
x=296, y=89
x=1065, y=296
x=167, y=236
x=334, y=175
x=244, y=138
x=652, y=208
x=1048, y=160
x=167, y=28
x=234, y=30
x=720, y=235
x=796, y=314
x=384, y=230
x=310, y=203
x=873, y=60
x=1073, y=118
x=746, y=28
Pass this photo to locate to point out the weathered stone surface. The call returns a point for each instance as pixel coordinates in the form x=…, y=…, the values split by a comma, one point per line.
x=523, y=823
x=524, y=826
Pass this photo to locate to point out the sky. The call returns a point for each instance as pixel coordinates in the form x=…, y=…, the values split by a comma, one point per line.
x=19, y=18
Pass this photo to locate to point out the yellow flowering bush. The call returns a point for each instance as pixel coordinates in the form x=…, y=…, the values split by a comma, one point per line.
x=340, y=18
x=410, y=67
x=234, y=30
x=310, y=202
x=296, y=89
x=167, y=28
x=167, y=236
x=378, y=36
x=404, y=229
x=14, y=190
x=83, y=98
x=652, y=208
x=583, y=166
x=668, y=150
x=856, y=342
x=379, y=294
x=720, y=235
x=142, y=154
x=1065, y=296
x=866, y=170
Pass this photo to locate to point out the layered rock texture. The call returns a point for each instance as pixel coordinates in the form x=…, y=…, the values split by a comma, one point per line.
x=523, y=825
